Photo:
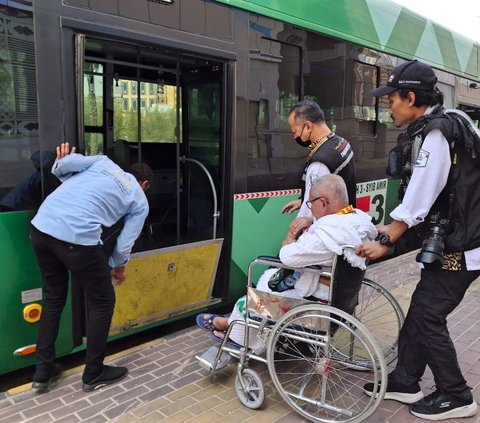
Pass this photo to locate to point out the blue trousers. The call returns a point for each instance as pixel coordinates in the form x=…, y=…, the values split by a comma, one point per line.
x=88, y=266
x=424, y=338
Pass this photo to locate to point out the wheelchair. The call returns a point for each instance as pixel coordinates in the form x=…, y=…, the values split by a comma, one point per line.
x=319, y=356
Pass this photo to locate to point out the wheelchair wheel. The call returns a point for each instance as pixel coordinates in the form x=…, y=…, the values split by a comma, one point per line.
x=380, y=312
x=306, y=355
x=253, y=394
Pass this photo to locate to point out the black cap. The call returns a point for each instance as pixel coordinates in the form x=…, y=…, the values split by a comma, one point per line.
x=414, y=75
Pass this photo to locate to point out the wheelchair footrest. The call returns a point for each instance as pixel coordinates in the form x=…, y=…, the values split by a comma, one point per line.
x=206, y=360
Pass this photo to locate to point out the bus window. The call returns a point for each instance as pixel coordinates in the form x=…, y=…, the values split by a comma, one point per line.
x=22, y=163
x=274, y=160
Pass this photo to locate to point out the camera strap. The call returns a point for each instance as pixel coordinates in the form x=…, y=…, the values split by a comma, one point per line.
x=452, y=180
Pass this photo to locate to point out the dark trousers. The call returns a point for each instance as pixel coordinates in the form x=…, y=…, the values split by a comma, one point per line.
x=424, y=337
x=89, y=268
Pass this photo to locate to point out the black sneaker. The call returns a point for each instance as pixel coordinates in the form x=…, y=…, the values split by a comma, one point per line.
x=440, y=406
x=108, y=376
x=43, y=384
x=397, y=392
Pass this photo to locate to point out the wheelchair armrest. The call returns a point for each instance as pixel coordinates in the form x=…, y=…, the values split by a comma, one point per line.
x=275, y=261
x=314, y=267
x=270, y=258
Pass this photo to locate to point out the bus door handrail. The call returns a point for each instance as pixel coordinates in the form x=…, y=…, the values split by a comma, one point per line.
x=216, y=213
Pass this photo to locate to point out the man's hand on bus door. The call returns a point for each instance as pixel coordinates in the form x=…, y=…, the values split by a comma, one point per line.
x=292, y=206
x=118, y=275
x=64, y=150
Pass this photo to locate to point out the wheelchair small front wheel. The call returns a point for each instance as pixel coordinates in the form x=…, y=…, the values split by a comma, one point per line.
x=251, y=392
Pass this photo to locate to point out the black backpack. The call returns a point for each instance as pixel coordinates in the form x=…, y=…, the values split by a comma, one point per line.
x=457, y=128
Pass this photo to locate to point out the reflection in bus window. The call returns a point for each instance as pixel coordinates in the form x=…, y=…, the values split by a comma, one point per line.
x=27, y=194
x=274, y=160
x=93, y=108
x=18, y=104
x=364, y=80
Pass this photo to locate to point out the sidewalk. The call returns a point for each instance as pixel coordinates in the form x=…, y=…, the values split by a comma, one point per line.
x=166, y=384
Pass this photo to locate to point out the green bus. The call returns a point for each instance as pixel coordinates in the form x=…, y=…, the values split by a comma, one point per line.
x=199, y=90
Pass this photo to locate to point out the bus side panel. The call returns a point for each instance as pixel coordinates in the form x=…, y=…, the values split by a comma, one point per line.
x=20, y=287
x=392, y=200
x=259, y=228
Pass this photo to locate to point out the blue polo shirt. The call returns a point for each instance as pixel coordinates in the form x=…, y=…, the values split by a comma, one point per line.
x=95, y=192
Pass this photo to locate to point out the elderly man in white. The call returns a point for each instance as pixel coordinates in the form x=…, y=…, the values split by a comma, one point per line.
x=336, y=223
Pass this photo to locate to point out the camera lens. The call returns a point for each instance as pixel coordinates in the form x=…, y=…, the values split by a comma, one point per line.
x=432, y=247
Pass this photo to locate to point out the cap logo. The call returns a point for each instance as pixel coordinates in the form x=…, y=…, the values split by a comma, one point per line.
x=409, y=81
x=391, y=77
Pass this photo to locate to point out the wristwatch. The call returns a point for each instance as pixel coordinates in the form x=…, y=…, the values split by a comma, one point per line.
x=384, y=239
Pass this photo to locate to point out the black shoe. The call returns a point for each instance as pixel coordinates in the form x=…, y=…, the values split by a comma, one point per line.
x=440, y=406
x=43, y=384
x=398, y=392
x=108, y=376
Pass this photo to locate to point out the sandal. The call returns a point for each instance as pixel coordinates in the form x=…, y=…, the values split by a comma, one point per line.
x=205, y=321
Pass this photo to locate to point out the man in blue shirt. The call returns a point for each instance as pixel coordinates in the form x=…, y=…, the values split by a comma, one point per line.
x=65, y=234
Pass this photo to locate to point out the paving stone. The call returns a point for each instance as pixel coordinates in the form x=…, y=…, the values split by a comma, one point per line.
x=160, y=381
x=179, y=417
x=43, y=408
x=150, y=407
x=156, y=393
x=291, y=418
x=122, y=408
x=42, y=418
x=59, y=391
x=207, y=392
x=70, y=409
x=209, y=417
x=126, y=418
x=186, y=380
x=95, y=410
x=105, y=393
x=70, y=418
x=97, y=419
x=14, y=418
x=138, y=380
x=179, y=394
x=172, y=408
x=151, y=418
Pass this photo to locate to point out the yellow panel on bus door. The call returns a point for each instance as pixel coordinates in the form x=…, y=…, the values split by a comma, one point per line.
x=166, y=282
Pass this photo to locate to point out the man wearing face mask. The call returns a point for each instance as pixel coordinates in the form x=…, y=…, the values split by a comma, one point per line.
x=328, y=154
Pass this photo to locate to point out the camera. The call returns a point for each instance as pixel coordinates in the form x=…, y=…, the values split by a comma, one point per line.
x=434, y=242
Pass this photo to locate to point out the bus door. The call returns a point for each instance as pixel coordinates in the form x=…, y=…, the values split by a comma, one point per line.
x=202, y=128
x=162, y=107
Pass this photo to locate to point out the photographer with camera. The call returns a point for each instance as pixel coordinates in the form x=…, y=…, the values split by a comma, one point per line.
x=439, y=187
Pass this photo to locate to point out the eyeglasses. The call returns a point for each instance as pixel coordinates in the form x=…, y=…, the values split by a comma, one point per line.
x=310, y=202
